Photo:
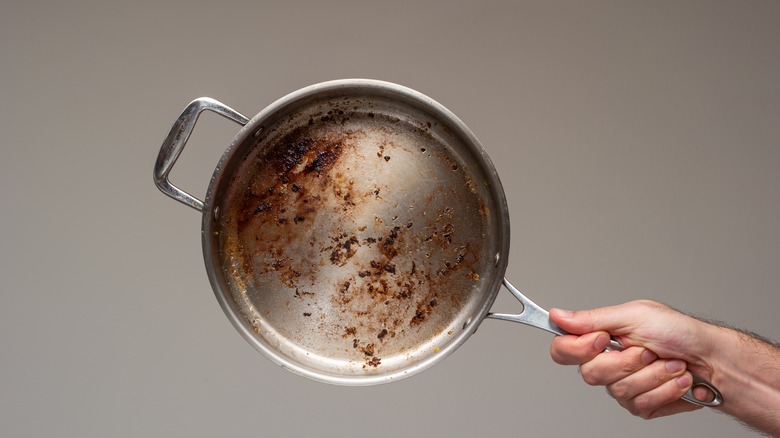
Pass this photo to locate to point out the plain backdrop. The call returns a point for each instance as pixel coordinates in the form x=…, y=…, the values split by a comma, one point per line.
x=638, y=143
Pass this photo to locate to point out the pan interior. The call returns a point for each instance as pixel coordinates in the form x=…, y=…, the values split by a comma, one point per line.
x=357, y=236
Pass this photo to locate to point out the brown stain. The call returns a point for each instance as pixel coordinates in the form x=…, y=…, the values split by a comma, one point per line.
x=396, y=275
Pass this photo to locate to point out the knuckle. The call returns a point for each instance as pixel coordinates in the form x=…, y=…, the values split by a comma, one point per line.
x=590, y=374
x=645, y=415
x=648, y=303
x=627, y=405
x=644, y=406
x=560, y=354
x=561, y=358
x=555, y=354
x=618, y=390
x=629, y=365
x=636, y=412
x=657, y=379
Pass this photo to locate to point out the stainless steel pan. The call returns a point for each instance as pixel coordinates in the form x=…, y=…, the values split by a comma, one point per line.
x=354, y=232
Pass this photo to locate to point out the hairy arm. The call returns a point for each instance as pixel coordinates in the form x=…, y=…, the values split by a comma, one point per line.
x=749, y=372
x=650, y=376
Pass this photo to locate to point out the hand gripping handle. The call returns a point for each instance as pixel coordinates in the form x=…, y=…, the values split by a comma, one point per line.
x=536, y=316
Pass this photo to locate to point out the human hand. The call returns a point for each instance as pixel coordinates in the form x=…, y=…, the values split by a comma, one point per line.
x=649, y=376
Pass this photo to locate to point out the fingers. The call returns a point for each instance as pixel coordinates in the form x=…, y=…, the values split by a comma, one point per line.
x=649, y=378
x=575, y=350
x=646, y=398
x=606, y=369
x=636, y=378
x=647, y=390
x=677, y=406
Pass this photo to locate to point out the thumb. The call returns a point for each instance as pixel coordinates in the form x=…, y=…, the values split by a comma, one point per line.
x=613, y=319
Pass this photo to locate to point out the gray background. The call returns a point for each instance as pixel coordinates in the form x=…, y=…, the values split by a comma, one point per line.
x=638, y=142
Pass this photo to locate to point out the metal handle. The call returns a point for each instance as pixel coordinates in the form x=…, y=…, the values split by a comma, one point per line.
x=176, y=140
x=536, y=316
x=532, y=314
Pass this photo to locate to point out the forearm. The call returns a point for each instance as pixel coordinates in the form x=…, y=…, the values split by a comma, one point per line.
x=747, y=372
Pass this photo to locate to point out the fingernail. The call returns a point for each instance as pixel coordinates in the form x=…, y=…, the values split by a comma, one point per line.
x=601, y=342
x=675, y=365
x=648, y=357
x=684, y=381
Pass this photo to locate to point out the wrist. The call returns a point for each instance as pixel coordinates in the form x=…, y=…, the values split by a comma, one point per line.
x=704, y=344
x=720, y=363
x=745, y=370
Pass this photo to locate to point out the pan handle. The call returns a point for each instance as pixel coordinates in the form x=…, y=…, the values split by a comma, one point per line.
x=532, y=314
x=176, y=140
x=536, y=316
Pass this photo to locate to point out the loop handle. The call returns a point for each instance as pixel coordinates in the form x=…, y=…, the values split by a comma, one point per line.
x=176, y=140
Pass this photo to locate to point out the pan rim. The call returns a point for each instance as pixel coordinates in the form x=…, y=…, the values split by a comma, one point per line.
x=221, y=289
